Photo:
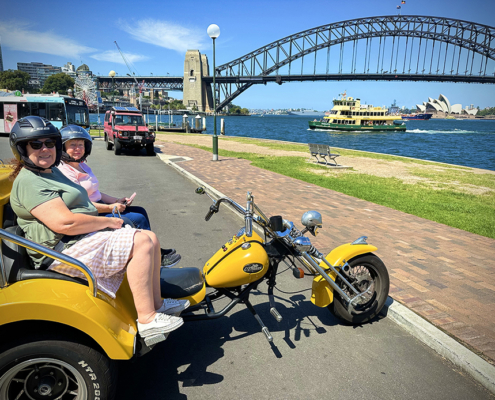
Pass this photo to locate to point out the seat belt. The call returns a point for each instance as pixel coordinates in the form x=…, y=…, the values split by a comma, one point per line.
x=47, y=261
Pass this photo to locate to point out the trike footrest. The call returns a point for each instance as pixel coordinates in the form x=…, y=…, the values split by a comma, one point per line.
x=152, y=340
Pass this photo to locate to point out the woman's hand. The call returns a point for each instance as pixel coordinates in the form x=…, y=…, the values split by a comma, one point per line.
x=119, y=205
x=125, y=200
x=115, y=223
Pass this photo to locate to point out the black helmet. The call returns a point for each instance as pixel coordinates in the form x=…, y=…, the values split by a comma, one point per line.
x=71, y=132
x=32, y=128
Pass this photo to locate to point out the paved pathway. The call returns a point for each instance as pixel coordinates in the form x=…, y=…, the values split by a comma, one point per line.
x=444, y=274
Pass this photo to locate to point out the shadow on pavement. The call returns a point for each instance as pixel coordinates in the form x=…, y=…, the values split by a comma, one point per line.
x=187, y=353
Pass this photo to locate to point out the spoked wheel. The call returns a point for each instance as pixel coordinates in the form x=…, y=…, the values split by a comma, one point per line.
x=54, y=369
x=367, y=274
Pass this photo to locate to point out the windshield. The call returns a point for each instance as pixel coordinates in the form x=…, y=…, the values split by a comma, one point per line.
x=56, y=112
x=135, y=120
x=77, y=115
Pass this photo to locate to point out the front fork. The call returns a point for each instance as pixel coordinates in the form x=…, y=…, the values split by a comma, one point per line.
x=350, y=301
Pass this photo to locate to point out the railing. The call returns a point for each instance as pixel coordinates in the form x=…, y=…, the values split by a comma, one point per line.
x=63, y=258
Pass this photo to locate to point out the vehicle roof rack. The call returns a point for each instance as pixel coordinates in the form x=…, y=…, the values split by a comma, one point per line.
x=125, y=109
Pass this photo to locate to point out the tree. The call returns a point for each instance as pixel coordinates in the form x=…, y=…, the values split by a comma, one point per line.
x=14, y=80
x=58, y=83
x=236, y=110
x=233, y=109
x=486, y=111
x=176, y=105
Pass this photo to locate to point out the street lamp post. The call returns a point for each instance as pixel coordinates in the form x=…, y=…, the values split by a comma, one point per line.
x=214, y=32
x=112, y=75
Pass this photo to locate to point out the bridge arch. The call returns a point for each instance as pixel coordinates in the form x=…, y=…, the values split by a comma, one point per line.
x=433, y=48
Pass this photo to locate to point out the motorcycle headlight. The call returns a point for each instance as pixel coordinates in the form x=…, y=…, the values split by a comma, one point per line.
x=302, y=243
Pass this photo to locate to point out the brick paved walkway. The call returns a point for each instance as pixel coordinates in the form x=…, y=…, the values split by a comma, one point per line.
x=444, y=274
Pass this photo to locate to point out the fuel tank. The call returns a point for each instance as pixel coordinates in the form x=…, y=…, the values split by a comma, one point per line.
x=240, y=261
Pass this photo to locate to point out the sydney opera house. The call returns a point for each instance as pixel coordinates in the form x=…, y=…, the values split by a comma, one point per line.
x=442, y=106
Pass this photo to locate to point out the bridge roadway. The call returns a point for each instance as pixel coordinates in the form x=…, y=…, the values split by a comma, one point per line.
x=176, y=82
x=151, y=82
x=314, y=356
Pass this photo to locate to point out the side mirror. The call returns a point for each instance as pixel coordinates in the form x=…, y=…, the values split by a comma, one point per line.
x=200, y=190
x=311, y=219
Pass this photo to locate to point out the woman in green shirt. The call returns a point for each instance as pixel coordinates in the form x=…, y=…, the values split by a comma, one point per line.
x=50, y=208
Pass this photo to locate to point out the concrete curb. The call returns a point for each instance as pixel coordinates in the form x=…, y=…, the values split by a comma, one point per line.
x=469, y=362
x=442, y=343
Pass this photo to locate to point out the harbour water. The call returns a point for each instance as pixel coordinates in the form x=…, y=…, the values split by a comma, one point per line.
x=468, y=143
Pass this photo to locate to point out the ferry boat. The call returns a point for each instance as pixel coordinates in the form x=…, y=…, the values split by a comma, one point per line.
x=348, y=114
x=423, y=116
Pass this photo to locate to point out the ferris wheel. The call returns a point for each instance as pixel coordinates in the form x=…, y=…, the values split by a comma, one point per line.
x=85, y=89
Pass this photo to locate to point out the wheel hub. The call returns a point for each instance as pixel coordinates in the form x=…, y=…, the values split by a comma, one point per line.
x=46, y=382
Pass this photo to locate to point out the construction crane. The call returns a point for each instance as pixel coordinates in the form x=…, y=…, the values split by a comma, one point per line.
x=140, y=86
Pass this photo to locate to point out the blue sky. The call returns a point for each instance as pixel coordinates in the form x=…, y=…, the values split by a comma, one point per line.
x=155, y=35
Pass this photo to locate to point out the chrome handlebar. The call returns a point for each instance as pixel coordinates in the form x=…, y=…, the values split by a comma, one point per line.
x=248, y=212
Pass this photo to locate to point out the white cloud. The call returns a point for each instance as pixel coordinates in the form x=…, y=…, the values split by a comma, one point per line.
x=115, y=57
x=17, y=36
x=166, y=34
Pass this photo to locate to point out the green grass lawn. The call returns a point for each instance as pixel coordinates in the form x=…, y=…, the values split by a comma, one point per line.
x=442, y=203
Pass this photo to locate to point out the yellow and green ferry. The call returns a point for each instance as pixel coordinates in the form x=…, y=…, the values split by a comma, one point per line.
x=348, y=114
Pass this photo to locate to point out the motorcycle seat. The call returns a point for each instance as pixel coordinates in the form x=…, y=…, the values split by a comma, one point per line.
x=180, y=282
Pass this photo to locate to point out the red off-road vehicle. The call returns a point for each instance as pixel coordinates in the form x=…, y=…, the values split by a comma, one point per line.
x=125, y=128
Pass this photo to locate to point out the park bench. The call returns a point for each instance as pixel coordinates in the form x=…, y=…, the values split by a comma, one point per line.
x=323, y=151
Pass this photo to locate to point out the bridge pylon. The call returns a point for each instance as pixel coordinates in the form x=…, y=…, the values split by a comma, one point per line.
x=197, y=93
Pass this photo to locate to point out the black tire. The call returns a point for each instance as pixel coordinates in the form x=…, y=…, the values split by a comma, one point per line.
x=150, y=149
x=118, y=147
x=109, y=144
x=34, y=367
x=371, y=271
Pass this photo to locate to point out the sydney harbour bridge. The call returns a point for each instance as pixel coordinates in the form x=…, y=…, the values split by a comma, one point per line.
x=386, y=48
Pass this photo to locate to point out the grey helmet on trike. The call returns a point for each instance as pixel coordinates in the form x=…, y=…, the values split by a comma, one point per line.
x=29, y=129
x=75, y=132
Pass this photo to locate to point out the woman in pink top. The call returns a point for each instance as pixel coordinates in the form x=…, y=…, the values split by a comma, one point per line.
x=77, y=145
x=76, y=148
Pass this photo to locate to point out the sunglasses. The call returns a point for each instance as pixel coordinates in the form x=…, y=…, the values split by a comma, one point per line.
x=37, y=144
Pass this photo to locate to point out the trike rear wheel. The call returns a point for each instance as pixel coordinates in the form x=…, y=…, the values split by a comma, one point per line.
x=55, y=368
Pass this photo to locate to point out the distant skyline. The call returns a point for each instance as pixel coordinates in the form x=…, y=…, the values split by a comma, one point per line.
x=155, y=36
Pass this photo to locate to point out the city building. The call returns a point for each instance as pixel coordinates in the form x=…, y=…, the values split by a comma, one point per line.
x=38, y=72
x=69, y=69
x=441, y=107
x=83, y=69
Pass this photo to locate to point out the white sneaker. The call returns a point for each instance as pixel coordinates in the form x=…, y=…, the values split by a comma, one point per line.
x=172, y=306
x=162, y=323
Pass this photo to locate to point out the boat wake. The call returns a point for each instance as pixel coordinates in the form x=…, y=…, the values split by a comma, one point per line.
x=433, y=132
